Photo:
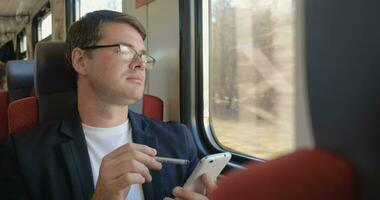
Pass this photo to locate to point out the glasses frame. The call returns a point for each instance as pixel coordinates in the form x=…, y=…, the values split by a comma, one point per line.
x=148, y=65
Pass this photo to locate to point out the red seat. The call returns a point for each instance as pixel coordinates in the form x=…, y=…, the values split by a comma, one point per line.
x=20, y=84
x=23, y=114
x=3, y=114
x=153, y=107
x=305, y=174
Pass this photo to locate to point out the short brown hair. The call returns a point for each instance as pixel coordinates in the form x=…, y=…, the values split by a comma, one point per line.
x=86, y=31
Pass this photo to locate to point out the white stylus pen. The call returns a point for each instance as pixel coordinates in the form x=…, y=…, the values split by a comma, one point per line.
x=171, y=160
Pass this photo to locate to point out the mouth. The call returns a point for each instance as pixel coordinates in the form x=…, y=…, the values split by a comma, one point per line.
x=136, y=80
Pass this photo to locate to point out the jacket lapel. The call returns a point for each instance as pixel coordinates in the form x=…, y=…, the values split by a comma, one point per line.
x=142, y=135
x=76, y=158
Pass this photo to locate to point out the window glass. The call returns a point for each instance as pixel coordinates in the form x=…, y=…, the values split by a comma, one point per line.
x=23, y=43
x=85, y=6
x=45, y=27
x=251, y=75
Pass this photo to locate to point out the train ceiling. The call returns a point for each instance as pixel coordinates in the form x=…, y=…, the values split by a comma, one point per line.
x=13, y=15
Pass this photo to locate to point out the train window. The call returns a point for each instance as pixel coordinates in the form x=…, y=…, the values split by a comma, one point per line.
x=44, y=28
x=42, y=25
x=21, y=45
x=249, y=83
x=85, y=6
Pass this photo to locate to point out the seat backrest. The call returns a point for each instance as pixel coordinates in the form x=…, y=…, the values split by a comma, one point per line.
x=20, y=74
x=55, y=82
x=3, y=114
x=305, y=174
x=23, y=114
x=153, y=107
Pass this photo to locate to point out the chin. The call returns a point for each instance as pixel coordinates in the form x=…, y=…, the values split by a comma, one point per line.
x=133, y=99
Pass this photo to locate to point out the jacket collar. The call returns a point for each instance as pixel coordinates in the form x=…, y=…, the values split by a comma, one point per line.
x=141, y=134
x=77, y=159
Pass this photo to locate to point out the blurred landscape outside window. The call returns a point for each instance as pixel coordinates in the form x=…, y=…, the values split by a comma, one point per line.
x=251, y=76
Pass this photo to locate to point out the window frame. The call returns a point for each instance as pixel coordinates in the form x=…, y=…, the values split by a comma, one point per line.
x=70, y=12
x=75, y=6
x=191, y=81
x=44, y=11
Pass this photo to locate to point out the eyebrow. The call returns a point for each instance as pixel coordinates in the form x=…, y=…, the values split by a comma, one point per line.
x=133, y=47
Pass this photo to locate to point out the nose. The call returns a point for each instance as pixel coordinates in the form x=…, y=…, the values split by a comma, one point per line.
x=137, y=63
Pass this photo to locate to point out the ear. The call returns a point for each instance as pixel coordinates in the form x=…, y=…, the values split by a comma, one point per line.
x=78, y=57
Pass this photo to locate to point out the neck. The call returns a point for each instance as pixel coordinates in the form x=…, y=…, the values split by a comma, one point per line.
x=96, y=112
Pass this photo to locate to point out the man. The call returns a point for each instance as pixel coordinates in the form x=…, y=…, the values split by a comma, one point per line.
x=102, y=151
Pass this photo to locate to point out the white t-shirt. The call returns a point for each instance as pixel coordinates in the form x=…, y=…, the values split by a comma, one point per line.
x=102, y=141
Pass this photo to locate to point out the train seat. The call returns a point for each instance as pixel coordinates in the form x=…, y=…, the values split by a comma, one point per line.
x=23, y=114
x=153, y=107
x=20, y=75
x=3, y=113
x=55, y=82
x=20, y=84
x=304, y=174
x=55, y=92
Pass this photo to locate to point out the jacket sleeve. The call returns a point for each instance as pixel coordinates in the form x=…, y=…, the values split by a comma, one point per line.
x=12, y=186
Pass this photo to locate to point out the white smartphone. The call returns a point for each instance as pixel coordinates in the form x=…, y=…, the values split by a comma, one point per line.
x=211, y=165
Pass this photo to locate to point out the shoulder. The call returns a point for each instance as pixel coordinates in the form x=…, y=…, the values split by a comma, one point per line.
x=169, y=127
x=170, y=134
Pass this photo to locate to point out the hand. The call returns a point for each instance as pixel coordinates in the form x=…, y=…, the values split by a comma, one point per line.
x=126, y=165
x=183, y=193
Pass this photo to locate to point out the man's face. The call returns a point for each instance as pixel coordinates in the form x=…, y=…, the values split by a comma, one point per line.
x=112, y=78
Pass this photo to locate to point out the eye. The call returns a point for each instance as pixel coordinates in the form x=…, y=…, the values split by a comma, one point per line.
x=127, y=53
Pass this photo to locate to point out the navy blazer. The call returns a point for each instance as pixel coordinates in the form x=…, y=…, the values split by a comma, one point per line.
x=52, y=161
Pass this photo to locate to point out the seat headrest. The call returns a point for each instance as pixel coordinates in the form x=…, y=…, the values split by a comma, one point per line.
x=20, y=74
x=55, y=82
x=51, y=71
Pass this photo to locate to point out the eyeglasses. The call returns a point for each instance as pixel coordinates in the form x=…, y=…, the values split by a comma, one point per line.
x=128, y=53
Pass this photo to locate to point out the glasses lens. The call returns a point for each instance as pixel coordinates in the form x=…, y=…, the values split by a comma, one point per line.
x=127, y=53
x=148, y=61
x=130, y=54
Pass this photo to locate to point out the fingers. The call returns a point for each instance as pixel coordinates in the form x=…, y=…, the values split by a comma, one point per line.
x=133, y=147
x=126, y=165
x=147, y=160
x=133, y=166
x=187, y=194
x=128, y=179
x=132, y=151
x=208, y=183
x=131, y=158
